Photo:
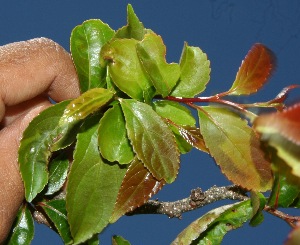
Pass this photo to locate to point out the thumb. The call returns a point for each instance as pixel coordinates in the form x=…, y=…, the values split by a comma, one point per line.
x=11, y=185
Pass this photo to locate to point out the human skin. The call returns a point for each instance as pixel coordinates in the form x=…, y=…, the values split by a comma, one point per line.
x=30, y=73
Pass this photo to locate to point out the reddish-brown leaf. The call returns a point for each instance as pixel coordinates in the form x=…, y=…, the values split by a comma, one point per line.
x=254, y=71
x=285, y=123
x=193, y=136
x=137, y=187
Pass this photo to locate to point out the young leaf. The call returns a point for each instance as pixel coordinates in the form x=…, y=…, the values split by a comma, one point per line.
x=125, y=69
x=87, y=40
x=195, y=72
x=57, y=213
x=118, y=240
x=151, y=139
x=134, y=28
x=193, y=136
x=236, y=148
x=58, y=170
x=114, y=144
x=258, y=201
x=86, y=104
x=285, y=123
x=34, y=151
x=92, y=186
x=23, y=228
x=283, y=193
x=137, y=187
x=254, y=71
x=151, y=52
x=212, y=227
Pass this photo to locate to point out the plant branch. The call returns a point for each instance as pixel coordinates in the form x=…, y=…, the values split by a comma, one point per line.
x=197, y=199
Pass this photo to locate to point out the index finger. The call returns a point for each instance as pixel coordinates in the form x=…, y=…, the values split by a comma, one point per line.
x=30, y=68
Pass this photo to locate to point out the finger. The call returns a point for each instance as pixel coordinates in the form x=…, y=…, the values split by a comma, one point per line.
x=15, y=111
x=11, y=186
x=33, y=67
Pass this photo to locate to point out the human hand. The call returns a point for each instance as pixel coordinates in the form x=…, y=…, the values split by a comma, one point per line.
x=30, y=73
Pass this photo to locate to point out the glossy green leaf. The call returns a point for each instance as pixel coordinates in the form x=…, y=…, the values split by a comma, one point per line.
x=152, y=55
x=134, y=28
x=283, y=193
x=34, y=151
x=195, y=72
x=138, y=186
x=254, y=71
x=293, y=237
x=58, y=170
x=118, y=240
x=125, y=69
x=86, y=104
x=258, y=201
x=87, y=40
x=114, y=144
x=23, y=228
x=174, y=111
x=213, y=226
x=151, y=139
x=177, y=116
x=57, y=213
x=236, y=148
x=92, y=186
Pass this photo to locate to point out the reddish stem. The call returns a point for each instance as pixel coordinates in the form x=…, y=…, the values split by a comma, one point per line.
x=291, y=220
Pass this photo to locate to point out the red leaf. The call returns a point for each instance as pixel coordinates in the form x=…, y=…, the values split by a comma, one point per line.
x=254, y=71
x=137, y=187
x=285, y=123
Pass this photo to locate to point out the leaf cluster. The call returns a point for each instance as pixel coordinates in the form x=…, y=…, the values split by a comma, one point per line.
x=88, y=161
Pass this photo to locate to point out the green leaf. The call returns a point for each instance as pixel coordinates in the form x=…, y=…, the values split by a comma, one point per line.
x=212, y=227
x=177, y=116
x=177, y=113
x=138, y=186
x=254, y=71
x=151, y=52
x=34, y=151
x=57, y=213
x=78, y=109
x=283, y=193
x=195, y=72
x=87, y=40
x=58, y=170
x=23, y=228
x=236, y=148
x=93, y=241
x=134, y=28
x=92, y=186
x=114, y=144
x=86, y=104
x=151, y=139
x=118, y=240
x=125, y=69
x=258, y=201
